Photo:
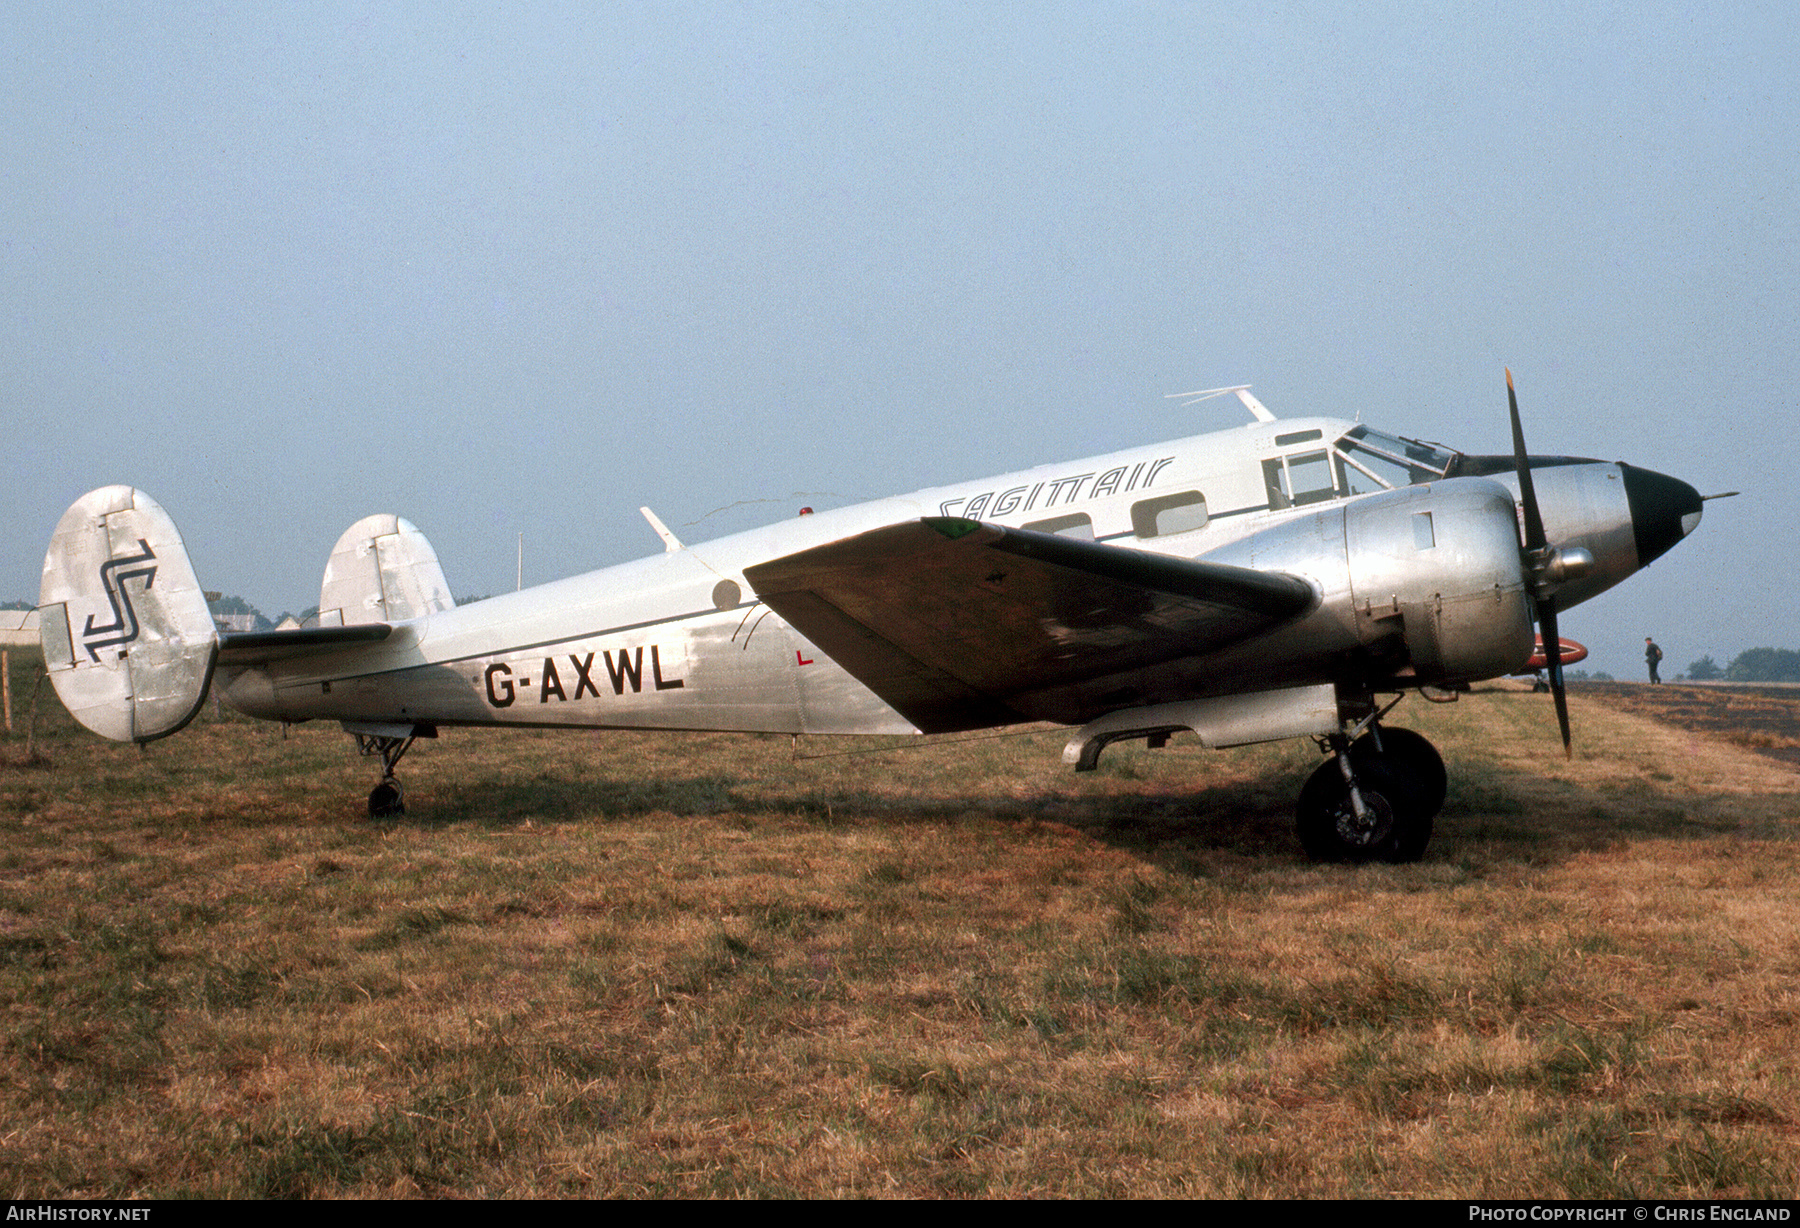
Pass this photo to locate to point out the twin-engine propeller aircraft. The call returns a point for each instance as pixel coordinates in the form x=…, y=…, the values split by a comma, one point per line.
x=1281, y=579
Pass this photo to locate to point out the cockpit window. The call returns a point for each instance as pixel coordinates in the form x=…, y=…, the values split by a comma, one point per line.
x=1298, y=479
x=1369, y=460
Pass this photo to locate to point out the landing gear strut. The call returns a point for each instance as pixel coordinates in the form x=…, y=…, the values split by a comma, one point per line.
x=387, y=800
x=1374, y=799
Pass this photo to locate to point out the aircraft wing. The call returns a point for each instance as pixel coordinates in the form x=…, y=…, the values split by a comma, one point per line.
x=947, y=619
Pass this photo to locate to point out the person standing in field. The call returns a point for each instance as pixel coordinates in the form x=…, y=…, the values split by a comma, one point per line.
x=1652, y=658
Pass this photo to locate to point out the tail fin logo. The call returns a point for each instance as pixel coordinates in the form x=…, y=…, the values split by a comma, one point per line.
x=124, y=627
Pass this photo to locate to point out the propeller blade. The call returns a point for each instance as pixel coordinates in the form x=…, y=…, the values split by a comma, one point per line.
x=1553, y=657
x=1535, y=541
x=1534, y=521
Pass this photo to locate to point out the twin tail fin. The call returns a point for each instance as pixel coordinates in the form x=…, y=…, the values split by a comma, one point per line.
x=128, y=641
x=130, y=645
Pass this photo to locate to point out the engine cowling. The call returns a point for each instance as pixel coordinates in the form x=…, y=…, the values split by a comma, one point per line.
x=1438, y=566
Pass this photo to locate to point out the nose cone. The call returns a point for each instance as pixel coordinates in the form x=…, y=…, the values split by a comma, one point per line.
x=1663, y=511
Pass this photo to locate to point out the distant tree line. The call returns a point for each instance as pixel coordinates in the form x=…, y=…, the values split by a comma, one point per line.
x=1751, y=665
x=238, y=608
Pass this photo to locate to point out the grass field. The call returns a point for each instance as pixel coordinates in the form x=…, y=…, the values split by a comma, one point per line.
x=635, y=965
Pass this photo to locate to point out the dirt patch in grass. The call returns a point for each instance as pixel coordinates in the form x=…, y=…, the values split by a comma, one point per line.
x=1765, y=719
x=643, y=965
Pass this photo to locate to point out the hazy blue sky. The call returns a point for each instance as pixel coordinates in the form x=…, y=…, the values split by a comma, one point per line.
x=507, y=270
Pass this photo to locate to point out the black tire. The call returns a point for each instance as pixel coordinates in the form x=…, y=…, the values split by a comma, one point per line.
x=1414, y=759
x=1329, y=831
x=386, y=800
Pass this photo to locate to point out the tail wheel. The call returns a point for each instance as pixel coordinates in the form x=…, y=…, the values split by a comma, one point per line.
x=386, y=800
x=1391, y=828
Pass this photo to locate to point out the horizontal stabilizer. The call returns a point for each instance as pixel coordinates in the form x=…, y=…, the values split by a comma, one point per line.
x=254, y=647
x=948, y=619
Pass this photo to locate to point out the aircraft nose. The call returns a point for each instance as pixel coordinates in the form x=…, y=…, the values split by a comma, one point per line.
x=1663, y=511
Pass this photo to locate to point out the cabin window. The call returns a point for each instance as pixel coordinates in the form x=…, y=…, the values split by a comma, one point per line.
x=1077, y=524
x=1167, y=515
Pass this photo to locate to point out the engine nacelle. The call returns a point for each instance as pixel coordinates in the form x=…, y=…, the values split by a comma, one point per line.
x=1439, y=567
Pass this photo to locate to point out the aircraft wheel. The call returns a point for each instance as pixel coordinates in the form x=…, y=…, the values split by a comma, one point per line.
x=386, y=800
x=1414, y=759
x=1394, y=829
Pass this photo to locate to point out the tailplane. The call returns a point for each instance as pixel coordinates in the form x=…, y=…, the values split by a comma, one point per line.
x=128, y=641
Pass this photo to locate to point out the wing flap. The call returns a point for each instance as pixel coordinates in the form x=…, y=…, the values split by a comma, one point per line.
x=950, y=620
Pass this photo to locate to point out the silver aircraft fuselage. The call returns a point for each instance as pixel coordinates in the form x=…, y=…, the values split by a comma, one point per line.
x=1412, y=553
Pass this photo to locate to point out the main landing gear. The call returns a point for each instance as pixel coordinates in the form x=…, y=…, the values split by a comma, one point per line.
x=387, y=800
x=1374, y=799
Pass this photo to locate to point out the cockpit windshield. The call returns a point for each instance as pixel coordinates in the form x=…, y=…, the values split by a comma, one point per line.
x=1368, y=461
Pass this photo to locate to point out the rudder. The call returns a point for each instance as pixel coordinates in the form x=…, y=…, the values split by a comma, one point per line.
x=128, y=641
x=381, y=570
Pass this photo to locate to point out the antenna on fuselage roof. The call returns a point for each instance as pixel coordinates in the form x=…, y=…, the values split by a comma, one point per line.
x=671, y=543
x=1257, y=409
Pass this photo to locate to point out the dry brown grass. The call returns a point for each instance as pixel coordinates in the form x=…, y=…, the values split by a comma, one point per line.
x=645, y=965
